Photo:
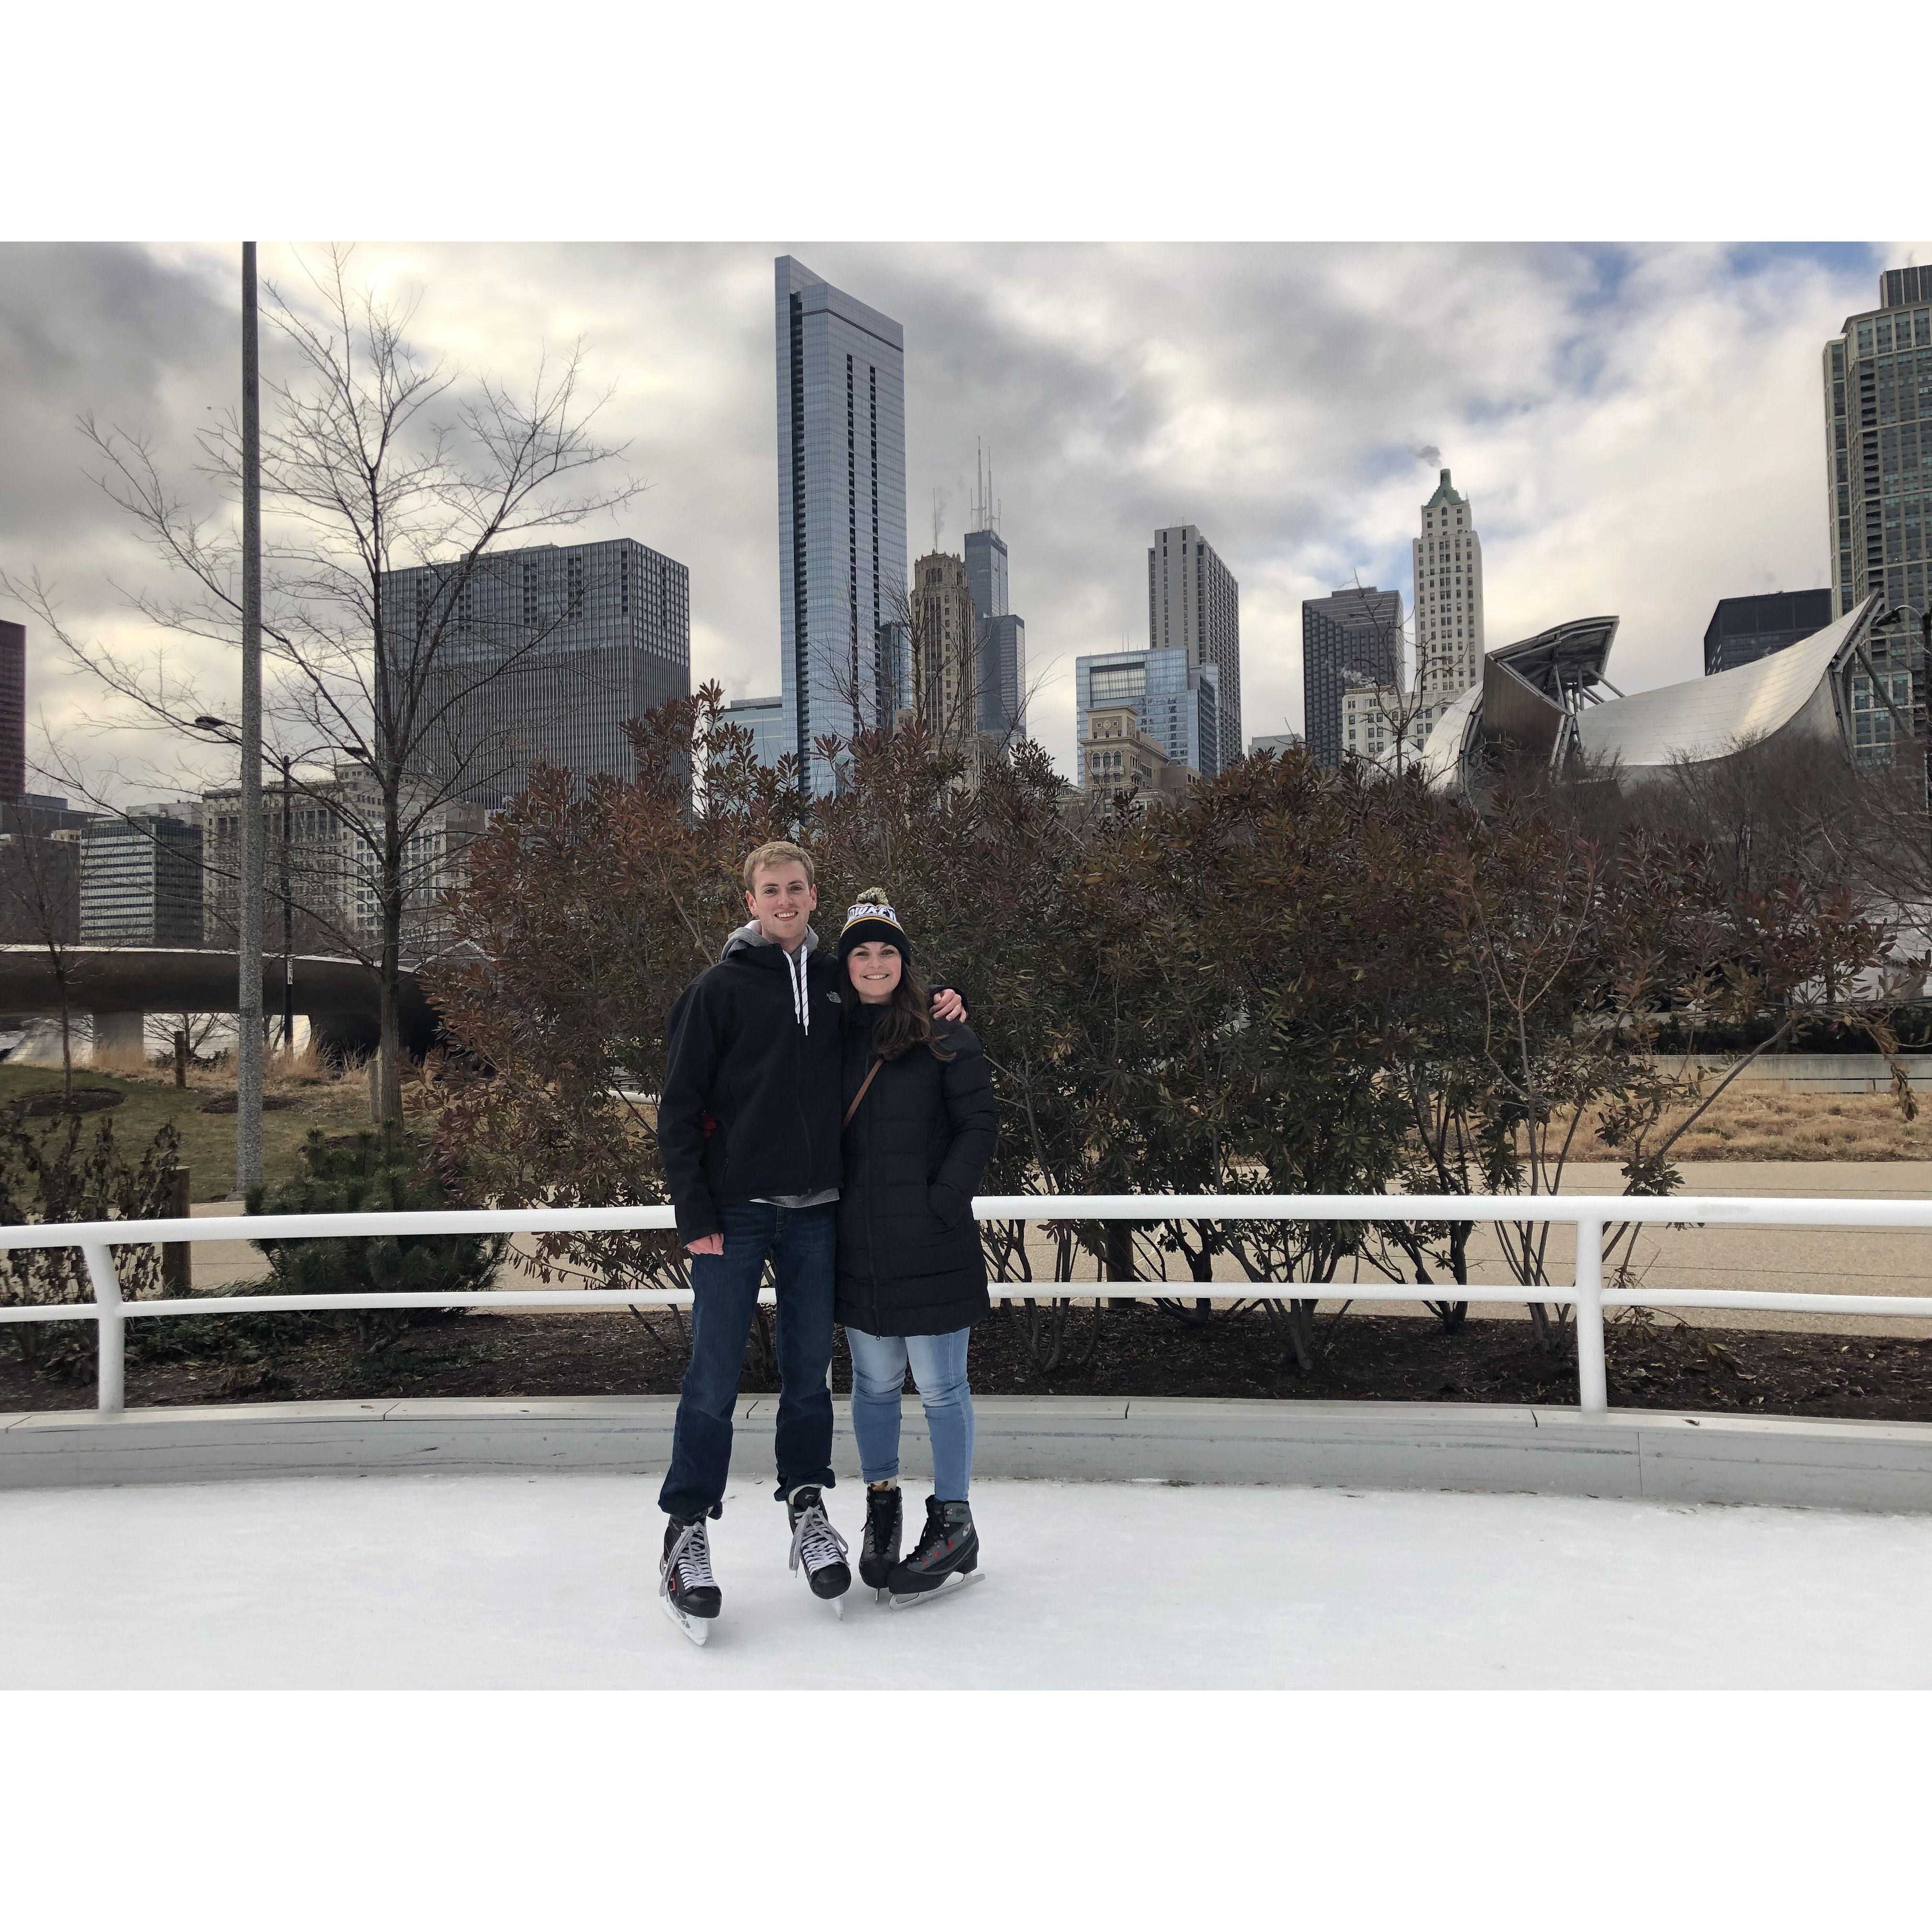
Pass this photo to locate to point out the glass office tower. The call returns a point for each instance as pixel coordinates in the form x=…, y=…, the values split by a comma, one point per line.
x=1743, y=629
x=544, y=653
x=1352, y=638
x=1002, y=641
x=841, y=507
x=764, y=718
x=1194, y=604
x=1178, y=703
x=1878, y=417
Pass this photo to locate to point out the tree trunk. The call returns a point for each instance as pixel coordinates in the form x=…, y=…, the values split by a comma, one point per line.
x=389, y=1093
x=66, y=1046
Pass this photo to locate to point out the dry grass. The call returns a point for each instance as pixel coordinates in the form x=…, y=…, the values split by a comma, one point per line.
x=303, y=1067
x=208, y=1140
x=128, y=1062
x=1772, y=1124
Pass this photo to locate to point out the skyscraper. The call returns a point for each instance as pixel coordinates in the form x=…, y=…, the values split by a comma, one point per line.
x=141, y=880
x=1353, y=637
x=1743, y=629
x=543, y=653
x=764, y=718
x=1878, y=426
x=945, y=652
x=842, y=574
x=986, y=569
x=13, y=710
x=1002, y=636
x=1178, y=703
x=1275, y=741
x=1448, y=559
x=1195, y=605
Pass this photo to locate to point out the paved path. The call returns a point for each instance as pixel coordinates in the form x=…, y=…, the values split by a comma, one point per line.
x=549, y=1582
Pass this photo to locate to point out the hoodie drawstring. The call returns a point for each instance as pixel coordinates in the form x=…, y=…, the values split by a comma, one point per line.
x=749, y=935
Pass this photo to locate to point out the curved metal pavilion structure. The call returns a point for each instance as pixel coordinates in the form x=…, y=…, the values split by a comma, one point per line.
x=1859, y=680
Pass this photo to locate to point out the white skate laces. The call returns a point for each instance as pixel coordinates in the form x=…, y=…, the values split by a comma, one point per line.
x=689, y=1560
x=814, y=1539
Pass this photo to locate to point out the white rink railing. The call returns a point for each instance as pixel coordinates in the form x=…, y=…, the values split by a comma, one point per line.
x=1589, y=1212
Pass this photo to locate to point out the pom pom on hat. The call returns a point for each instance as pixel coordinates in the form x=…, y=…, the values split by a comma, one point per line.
x=871, y=919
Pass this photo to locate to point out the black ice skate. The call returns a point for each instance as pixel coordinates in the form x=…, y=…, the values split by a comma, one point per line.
x=818, y=1546
x=884, y=1525
x=946, y=1560
x=686, y=1588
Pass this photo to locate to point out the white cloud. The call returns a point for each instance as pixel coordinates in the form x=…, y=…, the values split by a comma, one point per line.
x=1640, y=429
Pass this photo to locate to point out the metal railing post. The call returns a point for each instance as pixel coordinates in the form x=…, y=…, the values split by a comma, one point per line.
x=1592, y=1381
x=111, y=1324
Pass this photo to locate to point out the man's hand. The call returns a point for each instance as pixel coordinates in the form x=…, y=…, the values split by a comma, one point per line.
x=706, y=1244
x=947, y=1005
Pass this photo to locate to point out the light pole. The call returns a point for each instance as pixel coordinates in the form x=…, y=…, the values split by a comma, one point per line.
x=287, y=760
x=248, y=923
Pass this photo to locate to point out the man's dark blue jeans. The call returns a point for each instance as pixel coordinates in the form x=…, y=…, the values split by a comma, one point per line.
x=724, y=1289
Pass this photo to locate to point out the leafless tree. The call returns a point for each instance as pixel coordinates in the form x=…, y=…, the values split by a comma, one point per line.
x=945, y=717
x=1402, y=702
x=373, y=463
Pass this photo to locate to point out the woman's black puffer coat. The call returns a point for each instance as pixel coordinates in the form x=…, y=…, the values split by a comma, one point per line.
x=910, y=1262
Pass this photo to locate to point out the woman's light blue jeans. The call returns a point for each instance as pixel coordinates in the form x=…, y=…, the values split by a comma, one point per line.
x=939, y=1367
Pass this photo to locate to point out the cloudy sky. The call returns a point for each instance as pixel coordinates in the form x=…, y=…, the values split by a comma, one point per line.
x=1639, y=427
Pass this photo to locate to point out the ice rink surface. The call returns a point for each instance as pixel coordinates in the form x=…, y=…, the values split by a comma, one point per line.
x=549, y=1582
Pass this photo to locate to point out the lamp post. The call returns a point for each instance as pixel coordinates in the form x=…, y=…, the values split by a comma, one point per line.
x=222, y=728
x=248, y=923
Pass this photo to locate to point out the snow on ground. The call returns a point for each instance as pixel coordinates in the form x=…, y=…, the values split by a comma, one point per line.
x=549, y=1581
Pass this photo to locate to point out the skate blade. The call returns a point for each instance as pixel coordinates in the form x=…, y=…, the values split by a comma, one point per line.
x=698, y=1629
x=951, y=1587
x=836, y=1605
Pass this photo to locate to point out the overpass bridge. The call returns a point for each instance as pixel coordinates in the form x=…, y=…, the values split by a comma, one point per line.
x=119, y=985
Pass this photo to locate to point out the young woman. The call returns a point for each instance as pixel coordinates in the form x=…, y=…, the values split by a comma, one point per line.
x=911, y=1280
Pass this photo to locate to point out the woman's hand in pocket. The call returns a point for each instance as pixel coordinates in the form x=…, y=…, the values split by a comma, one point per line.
x=948, y=1205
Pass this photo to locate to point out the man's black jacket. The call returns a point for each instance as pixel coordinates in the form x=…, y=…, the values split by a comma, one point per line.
x=758, y=1053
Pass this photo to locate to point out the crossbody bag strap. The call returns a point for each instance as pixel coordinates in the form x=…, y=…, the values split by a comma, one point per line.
x=872, y=1075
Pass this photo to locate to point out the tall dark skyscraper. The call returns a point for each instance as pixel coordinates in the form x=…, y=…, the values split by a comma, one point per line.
x=1352, y=637
x=1194, y=604
x=546, y=654
x=986, y=570
x=1743, y=629
x=1002, y=636
x=1878, y=418
x=842, y=577
x=13, y=710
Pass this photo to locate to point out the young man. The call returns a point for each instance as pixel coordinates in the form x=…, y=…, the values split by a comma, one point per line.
x=748, y=1125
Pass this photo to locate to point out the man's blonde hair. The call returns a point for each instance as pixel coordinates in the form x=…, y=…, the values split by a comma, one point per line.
x=779, y=852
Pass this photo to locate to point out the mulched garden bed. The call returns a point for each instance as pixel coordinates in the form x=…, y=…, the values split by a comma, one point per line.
x=83, y=1100
x=1139, y=1351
